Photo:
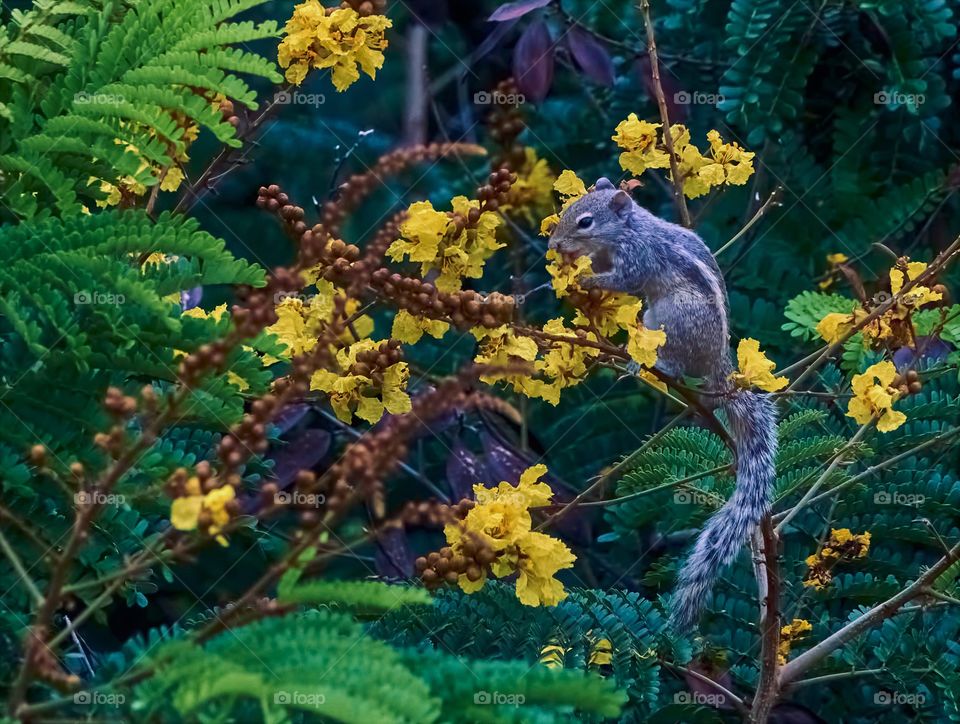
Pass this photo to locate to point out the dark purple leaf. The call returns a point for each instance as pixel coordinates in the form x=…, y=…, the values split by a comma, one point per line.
x=289, y=416
x=931, y=349
x=301, y=453
x=533, y=61
x=514, y=10
x=591, y=55
x=393, y=556
x=190, y=298
x=502, y=462
x=464, y=470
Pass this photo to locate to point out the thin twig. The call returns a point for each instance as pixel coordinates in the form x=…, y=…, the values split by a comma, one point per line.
x=678, y=196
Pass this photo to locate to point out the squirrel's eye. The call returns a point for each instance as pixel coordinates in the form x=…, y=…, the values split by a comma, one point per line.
x=585, y=222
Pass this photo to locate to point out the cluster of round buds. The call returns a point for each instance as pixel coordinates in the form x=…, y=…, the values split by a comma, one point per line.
x=445, y=566
x=491, y=196
x=373, y=457
x=908, y=383
x=381, y=241
x=228, y=112
x=119, y=405
x=364, y=7
x=358, y=186
x=371, y=363
x=249, y=436
x=425, y=514
x=506, y=124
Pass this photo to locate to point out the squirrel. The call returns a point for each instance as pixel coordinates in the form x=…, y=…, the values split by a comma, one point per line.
x=674, y=272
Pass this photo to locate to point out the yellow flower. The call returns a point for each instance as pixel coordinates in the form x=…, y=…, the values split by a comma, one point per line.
x=409, y=328
x=755, y=369
x=566, y=276
x=340, y=40
x=838, y=258
x=531, y=195
x=729, y=163
x=431, y=238
x=642, y=343
x=186, y=510
x=790, y=633
x=355, y=394
x=841, y=546
x=570, y=187
x=299, y=324
x=918, y=295
x=500, y=521
x=601, y=653
x=639, y=141
x=875, y=400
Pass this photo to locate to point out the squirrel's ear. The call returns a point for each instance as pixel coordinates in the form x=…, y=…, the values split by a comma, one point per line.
x=620, y=202
x=603, y=184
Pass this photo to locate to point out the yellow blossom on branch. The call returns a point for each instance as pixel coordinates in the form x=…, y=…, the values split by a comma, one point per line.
x=790, y=633
x=642, y=343
x=841, y=546
x=755, y=369
x=531, y=195
x=500, y=522
x=874, y=396
x=566, y=275
x=639, y=141
x=433, y=239
x=351, y=393
x=919, y=295
x=410, y=328
x=186, y=511
x=570, y=187
x=339, y=39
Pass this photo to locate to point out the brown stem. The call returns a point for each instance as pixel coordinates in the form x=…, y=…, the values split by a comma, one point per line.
x=768, y=689
x=678, y=196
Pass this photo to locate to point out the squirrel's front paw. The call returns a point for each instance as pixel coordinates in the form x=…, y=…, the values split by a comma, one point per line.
x=603, y=280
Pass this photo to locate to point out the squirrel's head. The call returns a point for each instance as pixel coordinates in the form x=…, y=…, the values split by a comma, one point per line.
x=593, y=225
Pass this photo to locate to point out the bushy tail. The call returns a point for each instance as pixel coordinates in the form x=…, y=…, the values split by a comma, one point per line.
x=753, y=419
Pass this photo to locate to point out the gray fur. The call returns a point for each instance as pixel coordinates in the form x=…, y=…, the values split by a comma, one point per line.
x=683, y=288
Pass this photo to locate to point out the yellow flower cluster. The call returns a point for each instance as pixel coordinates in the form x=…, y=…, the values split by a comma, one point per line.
x=874, y=396
x=570, y=187
x=501, y=522
x=362, y=395
x=432, y=238
x=185, y=511
x=888, y=327
x=561, y=365
x=643, y=148
x=300, y=322
x=409, y=328
x=790, y=633
x=755, y=369
x=531, y=195
x=841, y=546
x=609, y=314
x=337, y=39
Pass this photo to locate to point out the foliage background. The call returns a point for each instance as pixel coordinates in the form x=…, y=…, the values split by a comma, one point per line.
x=800, y=84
